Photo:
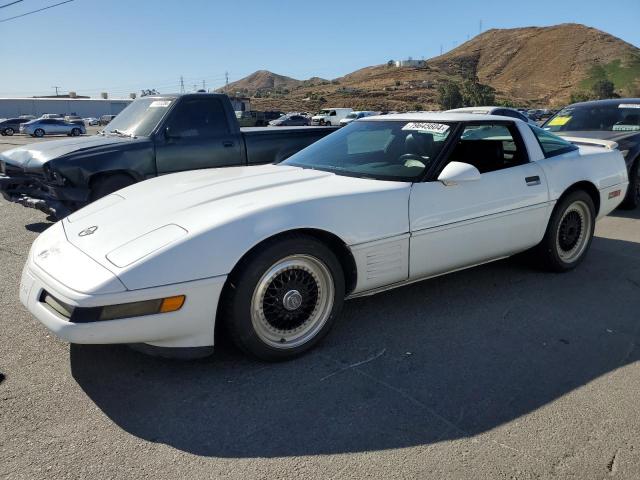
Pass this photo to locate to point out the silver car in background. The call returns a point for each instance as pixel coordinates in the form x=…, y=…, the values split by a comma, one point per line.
x=52, y=126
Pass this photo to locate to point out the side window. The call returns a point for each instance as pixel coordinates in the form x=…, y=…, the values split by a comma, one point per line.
x=199, y=117
x=551, y=144
x=333, y=113
x=490, y=147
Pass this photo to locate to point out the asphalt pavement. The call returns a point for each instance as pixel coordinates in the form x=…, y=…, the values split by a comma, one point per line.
x=501, y=371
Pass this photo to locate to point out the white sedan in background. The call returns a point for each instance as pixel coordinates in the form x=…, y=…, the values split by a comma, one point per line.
x=272, y=251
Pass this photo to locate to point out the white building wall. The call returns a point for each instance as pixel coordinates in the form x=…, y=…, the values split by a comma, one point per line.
x=14, y=107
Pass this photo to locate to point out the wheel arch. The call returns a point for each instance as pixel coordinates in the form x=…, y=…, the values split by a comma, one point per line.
x=331, y=240
x=587, y=187
x=96, y=177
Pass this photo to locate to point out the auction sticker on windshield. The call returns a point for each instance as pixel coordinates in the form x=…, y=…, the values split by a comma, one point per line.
x=558, y=121
x=427, y=127
x=160, y=104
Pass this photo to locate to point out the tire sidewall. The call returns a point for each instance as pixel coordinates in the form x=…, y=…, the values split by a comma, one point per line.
x=9, y=131
x=39, y=132
x=631, y=201
x=549, y=243
x=243, y=281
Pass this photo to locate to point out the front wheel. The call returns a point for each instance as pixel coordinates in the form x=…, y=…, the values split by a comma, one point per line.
x=39, y=133
x=75, y=132
x=9, y=131
x=282, y=300
x=327, y=124
x=569, y=233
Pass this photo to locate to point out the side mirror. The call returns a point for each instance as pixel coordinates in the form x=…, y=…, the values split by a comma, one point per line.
x=457, y=172
x=170, y=136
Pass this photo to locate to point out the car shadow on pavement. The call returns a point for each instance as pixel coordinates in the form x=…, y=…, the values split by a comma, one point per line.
x=442, y=359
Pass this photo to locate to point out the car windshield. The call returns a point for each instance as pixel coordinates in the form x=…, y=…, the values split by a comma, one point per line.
x=384, y=150
x=616, y=117
x=139, y=118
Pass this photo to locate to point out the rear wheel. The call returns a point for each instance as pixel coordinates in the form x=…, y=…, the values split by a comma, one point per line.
x=327, y=123
x=75, y=132
x=632, y=200
x=283, y=299
x=9, y=131
x=39, y=133
x=109, y=184
x=569, y=232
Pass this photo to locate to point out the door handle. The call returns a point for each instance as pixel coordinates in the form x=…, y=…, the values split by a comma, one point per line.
x=227, y=144
x=532, y=181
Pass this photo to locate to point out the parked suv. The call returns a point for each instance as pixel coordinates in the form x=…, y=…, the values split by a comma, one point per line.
x=52, y=126
x=11, y=125
x=106, y=119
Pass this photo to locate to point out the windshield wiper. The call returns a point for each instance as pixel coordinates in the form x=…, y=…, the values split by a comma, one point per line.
x=121, y=133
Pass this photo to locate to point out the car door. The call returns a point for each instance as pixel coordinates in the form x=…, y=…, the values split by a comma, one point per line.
x=197, y=135
x=502, y=212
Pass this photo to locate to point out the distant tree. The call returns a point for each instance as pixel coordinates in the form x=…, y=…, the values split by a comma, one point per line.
x=398, y=83
x=390, y=63
x=476, y=94
x=577, y=97
x=603, y=89
x=449, y=95
x=418, y=107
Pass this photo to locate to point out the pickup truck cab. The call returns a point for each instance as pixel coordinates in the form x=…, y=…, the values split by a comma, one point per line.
x=330, y=116
x=153, y=136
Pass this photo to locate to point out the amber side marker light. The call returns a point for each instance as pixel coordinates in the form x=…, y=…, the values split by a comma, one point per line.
x=171, y=304
x=139, y=309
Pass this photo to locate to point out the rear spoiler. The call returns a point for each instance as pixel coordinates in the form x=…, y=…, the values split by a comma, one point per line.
x=591, y=142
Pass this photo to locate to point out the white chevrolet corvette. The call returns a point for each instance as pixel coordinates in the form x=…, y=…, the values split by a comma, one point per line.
x=272, y=251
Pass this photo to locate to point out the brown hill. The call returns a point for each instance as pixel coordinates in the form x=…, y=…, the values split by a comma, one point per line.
x=266, y=81
x=537, y=66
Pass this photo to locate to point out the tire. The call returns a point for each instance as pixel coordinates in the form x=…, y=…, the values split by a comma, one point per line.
x=109, y=184
x=282, y=300
x=38, y=133
x=75, y=132
x=569, y=233
x=632, y=199
x=327, y=124
x=9, y=131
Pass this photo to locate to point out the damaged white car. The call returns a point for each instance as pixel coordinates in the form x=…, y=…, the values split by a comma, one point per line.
x=272, y=251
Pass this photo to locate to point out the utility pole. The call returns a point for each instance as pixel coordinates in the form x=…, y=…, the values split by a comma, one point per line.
x=204, y=86
x=226, y=82
x=181, y=84
x=441, y=49
x=56, y=90
x=480, y=29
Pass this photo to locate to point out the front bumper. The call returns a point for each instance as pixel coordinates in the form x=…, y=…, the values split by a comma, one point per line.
x=190, y=327
x=34, y=192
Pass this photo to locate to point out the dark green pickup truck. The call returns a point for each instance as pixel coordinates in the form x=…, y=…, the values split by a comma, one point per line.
x=153, y=136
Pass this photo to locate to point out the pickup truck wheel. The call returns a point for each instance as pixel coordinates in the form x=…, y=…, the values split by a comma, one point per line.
x=632, y=200
x=75, y=132
x=39, y=133
x=107, y=185
x=9, y=131
x=282, y=300
x=569, y=233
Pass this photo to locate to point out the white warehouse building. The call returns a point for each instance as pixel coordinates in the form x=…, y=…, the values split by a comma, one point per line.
x=83, y=107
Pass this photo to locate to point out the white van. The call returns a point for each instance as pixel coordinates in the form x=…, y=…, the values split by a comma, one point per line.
x=330, y=116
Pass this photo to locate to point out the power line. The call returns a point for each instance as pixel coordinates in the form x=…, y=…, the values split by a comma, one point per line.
x=9, y=4
x=35, y=11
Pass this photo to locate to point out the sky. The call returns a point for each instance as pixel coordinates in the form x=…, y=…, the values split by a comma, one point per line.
x=119, y=46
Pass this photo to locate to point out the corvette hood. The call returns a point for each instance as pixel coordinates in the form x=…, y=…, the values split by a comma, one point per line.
x=124, y=227
x=37, y=154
